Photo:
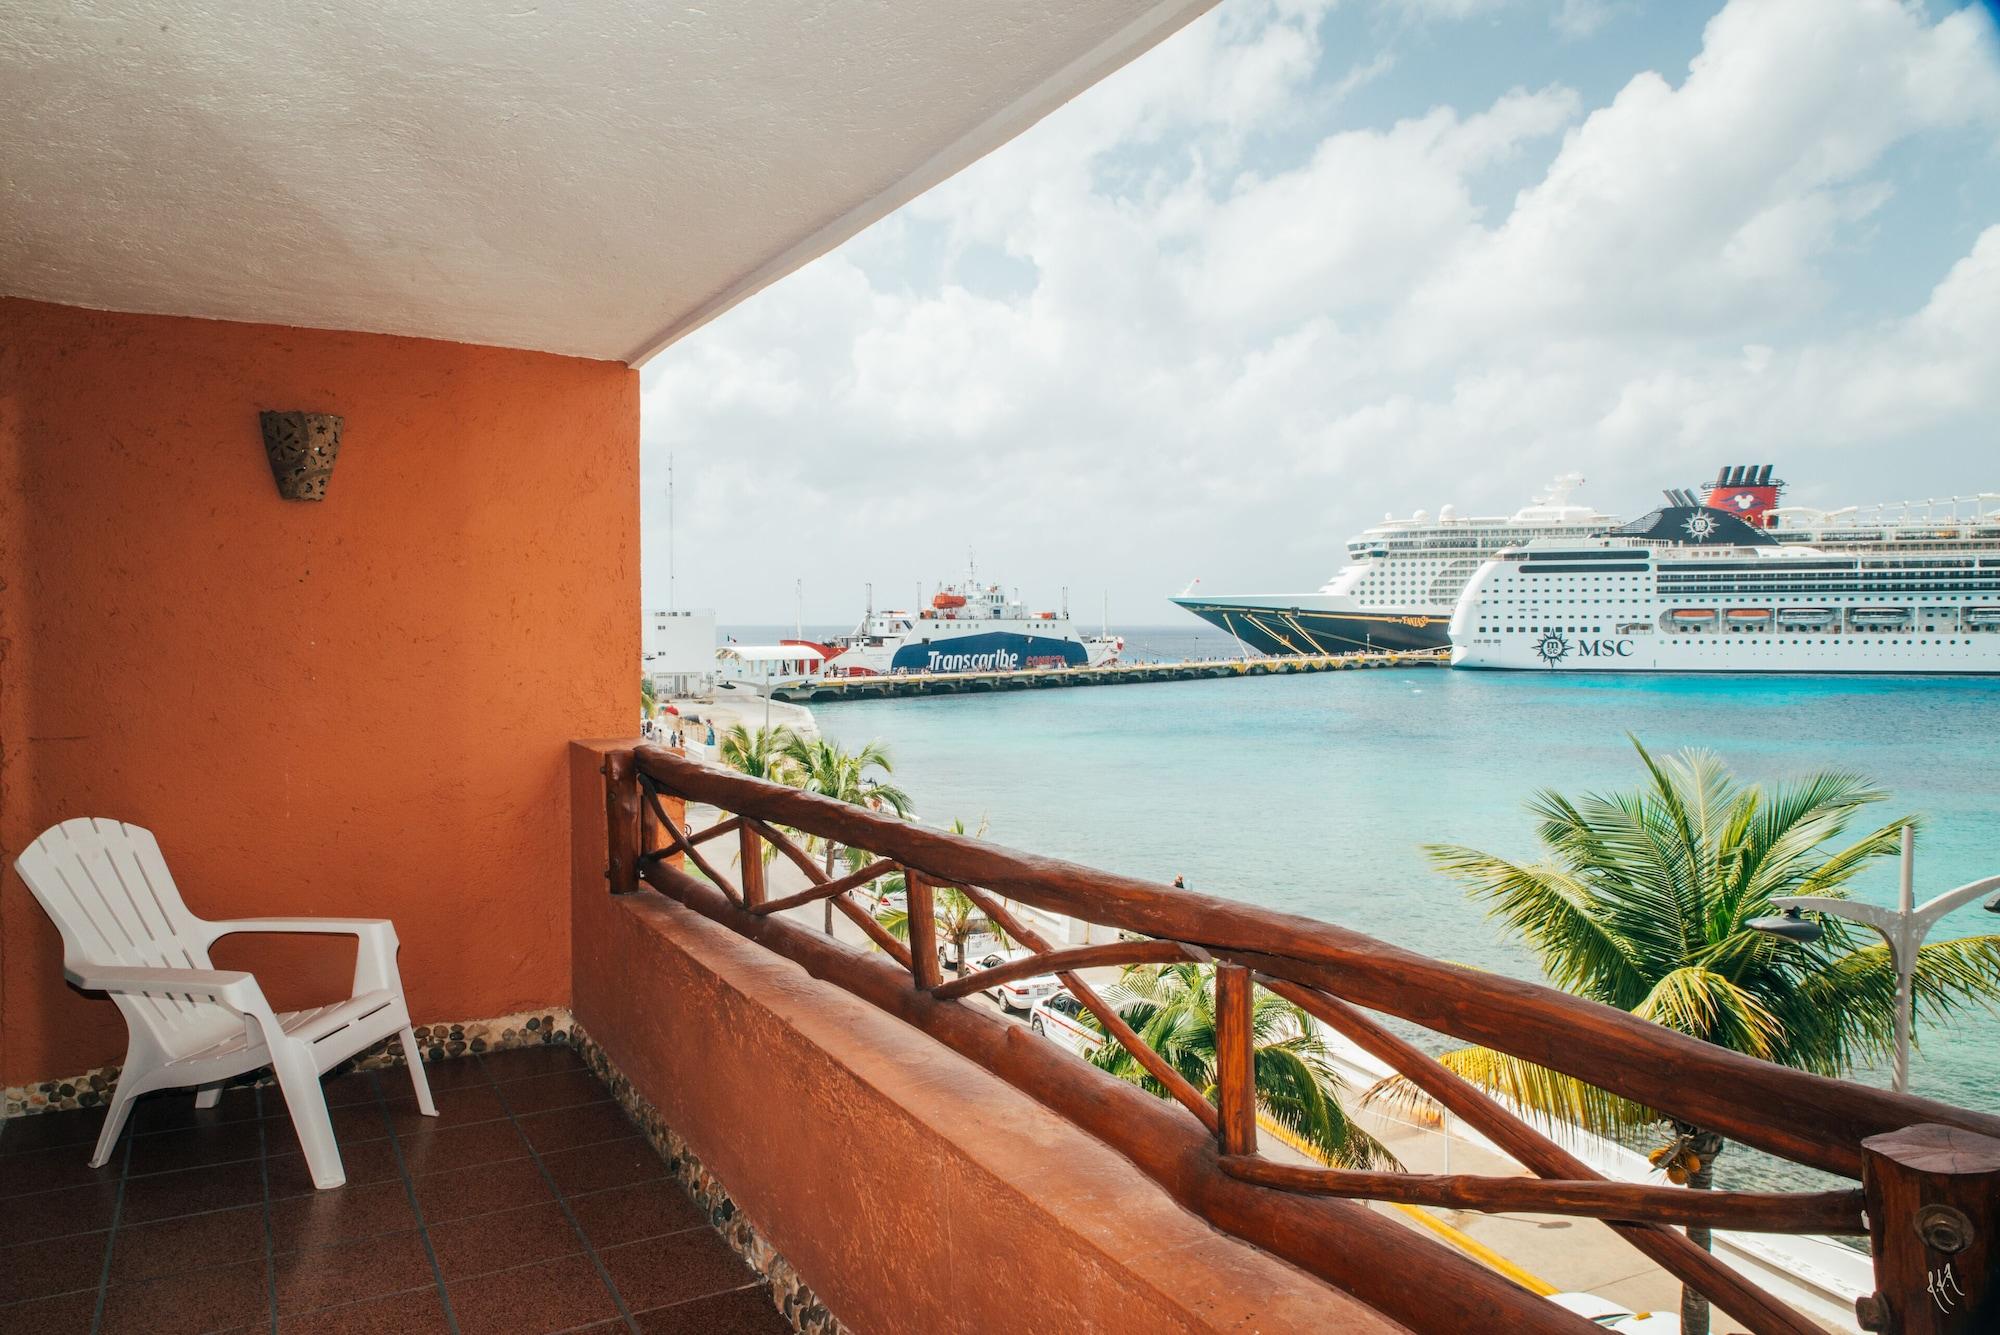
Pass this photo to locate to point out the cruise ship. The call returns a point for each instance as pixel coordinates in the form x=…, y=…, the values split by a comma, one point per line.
x=1693, y=588
x=1401, y=582
x=968, y=627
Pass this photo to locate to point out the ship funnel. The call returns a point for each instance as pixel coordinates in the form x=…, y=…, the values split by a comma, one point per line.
x=1764, y=475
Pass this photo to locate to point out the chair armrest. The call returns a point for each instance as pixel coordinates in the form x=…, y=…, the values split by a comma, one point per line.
x=348, y=926
x=374, y=950
x=232, y=987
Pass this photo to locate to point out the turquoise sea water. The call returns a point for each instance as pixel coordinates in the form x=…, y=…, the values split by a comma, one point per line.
x=1315, y=794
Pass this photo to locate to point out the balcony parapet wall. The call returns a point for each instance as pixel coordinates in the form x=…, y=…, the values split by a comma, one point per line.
x=909, y=1187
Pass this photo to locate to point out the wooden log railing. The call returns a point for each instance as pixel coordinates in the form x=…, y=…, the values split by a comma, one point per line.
x=1930, y=1171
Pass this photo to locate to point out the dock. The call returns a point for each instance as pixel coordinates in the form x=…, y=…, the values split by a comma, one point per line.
x=1111, y=674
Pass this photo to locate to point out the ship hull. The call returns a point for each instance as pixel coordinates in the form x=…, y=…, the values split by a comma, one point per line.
x=1284, y=629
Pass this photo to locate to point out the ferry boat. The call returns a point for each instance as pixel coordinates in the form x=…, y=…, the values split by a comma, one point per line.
x=968, y=627
x=1692, y=588
x=1401, y=582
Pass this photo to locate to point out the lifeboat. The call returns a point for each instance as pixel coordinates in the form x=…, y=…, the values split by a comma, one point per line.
x=1806, y=616
x=1747, y=616
x=948, y=600
x=1986, y=617
x=1692, y=616
x=1878, y=617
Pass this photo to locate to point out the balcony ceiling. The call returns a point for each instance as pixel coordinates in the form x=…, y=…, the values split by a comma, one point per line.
x=594, y=178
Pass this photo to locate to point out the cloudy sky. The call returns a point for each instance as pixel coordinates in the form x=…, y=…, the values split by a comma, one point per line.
x=1310, y=261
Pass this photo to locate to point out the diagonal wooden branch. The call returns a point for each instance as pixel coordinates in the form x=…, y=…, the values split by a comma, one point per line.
x=859, y=916
x=1058, y=961
x=717, y=830
x=873, y=871
x=687, y=849
x=1671, y=1250
x=1114, y=1024
x=1631, y=1202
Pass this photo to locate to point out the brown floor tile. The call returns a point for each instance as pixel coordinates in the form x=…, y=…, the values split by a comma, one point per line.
x=170, y=1246
x=674, y=1269
x=197, y=1300
x=223, y=1142
x=532, y=1299
x=59, y=1265
x=444, y=1076
x=348, y=1271
x=417, y=1312
x=349, y=1088
x=66, y=1312
x=463, y=1192
x=642, y=1210
x=474, y=1103
x=324, y=1218
x=192, y=1191
x=52, y=1214
x=363, y=1161
x=174, y=1110
x=503, y=1240
x=615, y=1163
x=520, y=1063
x=19, y=1135
x=566, y=1128
x=741, y=1312
x=436, y=1149
x=54, y=1169
x=560, y=1089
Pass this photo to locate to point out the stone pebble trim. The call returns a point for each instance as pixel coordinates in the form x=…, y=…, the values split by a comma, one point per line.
x=439, y=1041
x=792, y=1296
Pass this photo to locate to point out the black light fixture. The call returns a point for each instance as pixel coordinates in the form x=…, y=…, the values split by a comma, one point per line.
x=301, y=448
x=1792, y=925
x=1993, y=904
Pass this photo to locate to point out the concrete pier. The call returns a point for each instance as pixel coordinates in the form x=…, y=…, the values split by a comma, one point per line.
x=1111, y=674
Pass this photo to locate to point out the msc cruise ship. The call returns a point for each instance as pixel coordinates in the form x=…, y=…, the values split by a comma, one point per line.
x=1691, y=588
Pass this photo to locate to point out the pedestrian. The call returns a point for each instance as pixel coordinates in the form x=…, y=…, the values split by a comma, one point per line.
x=1180, y=882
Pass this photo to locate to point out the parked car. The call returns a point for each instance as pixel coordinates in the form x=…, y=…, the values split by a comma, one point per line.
x=1061, y=1018
x=977, y=946
x=1611, y=1316
x=1016, y=994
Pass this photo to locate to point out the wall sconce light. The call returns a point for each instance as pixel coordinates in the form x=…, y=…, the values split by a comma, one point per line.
x=301, y=448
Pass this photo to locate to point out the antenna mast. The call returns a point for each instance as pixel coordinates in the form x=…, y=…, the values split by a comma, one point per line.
x=671, y=604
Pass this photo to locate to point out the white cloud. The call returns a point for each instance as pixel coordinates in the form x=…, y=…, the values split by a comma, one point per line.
x=1196, y=356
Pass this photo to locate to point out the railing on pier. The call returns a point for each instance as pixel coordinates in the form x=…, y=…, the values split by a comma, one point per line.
x=1929, y=1199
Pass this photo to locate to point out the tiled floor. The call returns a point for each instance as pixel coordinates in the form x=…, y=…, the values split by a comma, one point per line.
x=530, y=1204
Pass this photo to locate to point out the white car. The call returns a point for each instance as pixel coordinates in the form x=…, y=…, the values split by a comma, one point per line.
x=1611, y=1316
x=1016, y=994
x=1061, y=1019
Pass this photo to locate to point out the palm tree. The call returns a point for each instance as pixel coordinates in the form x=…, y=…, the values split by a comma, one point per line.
x=1172, y=1008
x=1643, y=901
x=825, y=767
x=649, y=697
x=761, y=753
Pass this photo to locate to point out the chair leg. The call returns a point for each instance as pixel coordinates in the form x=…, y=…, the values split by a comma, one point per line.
x=114, y=1121
x=418, y=1080
x=208, y=1096
x=299, y=1079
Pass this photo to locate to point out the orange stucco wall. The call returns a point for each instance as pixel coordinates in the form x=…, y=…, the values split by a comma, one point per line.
x=359, y=707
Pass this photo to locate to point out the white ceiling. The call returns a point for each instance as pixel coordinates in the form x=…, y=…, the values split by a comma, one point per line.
x=595, y=177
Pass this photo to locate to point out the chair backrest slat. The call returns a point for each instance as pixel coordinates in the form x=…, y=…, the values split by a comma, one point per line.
x=107, y=888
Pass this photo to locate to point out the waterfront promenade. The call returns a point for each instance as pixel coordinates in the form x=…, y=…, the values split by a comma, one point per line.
x=1110, y=674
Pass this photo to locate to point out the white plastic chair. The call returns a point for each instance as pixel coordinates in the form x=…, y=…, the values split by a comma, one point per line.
x=126, y=931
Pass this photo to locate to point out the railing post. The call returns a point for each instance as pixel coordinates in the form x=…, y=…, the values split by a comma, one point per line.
x=1235, y=1061
x=622, y=812
x=923, y=931
x=750, y=852
x=1933, y=1215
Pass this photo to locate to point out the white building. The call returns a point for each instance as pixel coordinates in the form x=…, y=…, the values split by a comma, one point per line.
x=678, y=651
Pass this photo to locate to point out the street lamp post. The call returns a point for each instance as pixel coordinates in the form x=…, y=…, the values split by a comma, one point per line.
x=1903, y=928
